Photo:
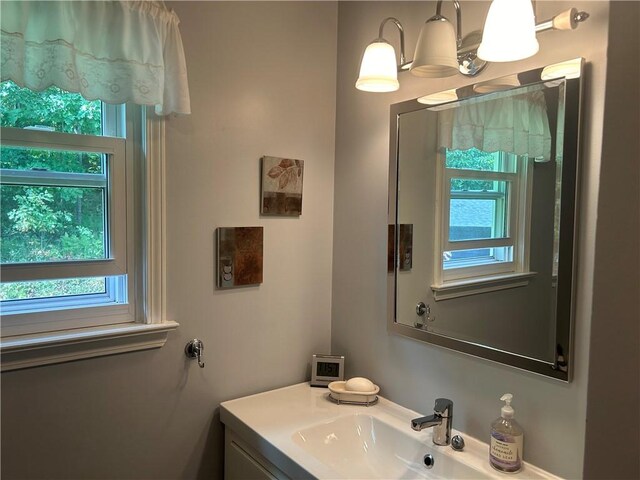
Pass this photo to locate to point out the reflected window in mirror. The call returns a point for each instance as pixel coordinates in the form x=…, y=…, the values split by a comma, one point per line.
x=484, y=200
x=487, y=180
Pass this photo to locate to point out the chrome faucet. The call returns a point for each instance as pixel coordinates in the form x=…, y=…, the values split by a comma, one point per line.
x=441, y=421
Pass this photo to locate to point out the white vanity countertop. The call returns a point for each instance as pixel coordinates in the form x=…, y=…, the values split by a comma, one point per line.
x=268, y=422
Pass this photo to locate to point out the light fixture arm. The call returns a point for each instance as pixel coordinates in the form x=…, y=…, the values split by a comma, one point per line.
x=456, y=4
x=403, y=65
x=567, y=20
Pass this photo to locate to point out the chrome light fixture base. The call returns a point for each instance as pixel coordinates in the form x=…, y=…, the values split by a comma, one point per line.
x=427, y=61
x=469, y=63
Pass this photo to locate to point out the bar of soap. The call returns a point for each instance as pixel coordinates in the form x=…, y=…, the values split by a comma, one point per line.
x=359, y=384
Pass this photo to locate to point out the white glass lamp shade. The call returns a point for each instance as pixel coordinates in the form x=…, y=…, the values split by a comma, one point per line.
x=568, y=69
x=440, y=97
x=436, y=52
x=378, y=70
x=497, y=84
x=509, y=32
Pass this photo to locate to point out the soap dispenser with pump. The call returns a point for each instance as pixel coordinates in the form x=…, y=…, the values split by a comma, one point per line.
x=505, y=451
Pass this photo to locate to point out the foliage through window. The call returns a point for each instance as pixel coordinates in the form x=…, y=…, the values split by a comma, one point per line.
x=64, y=206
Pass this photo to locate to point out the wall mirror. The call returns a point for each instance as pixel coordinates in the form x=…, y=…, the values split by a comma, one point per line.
x=482, y=217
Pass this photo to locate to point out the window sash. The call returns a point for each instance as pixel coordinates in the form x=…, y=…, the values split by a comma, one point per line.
x=479, y=175
x=517, y=219
x=511, y=216
x=498, y=220
x=475, y=195
x=483, y=270
x=80, y=316
x=121, y=305
x=472, y=261
x=503, y=162
x=116, y=201
x=147, y=326
x=115, y=293
x=30, y=316
x=47, y=140
x=53, y=179
x=453, y=245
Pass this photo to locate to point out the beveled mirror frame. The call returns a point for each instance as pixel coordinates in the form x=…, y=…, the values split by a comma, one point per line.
x=562, y=367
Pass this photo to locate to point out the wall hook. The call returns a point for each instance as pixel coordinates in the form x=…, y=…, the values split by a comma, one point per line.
x=195, y=349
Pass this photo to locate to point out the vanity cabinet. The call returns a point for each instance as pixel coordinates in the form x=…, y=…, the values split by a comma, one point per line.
x=241, y=462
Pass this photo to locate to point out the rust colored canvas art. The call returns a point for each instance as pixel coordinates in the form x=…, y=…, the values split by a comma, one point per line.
x=239, y=256
x=405, y=244
x=281, y=186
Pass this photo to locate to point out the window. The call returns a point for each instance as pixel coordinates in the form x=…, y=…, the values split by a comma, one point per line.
x=71, y=214
x=483, y=217
x=64, y=211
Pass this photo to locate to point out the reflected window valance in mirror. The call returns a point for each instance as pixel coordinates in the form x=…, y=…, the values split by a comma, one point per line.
x=485, y=176
x=517, y=124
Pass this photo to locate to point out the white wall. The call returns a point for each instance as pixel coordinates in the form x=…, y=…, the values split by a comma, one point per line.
x=154, y=414
x=411, y=373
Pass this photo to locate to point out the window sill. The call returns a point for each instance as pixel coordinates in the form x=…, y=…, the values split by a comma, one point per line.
x=475, y=286
x=57, y=347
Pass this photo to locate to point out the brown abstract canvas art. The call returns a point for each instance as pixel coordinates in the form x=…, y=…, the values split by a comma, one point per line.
x=405, y=243
x=239, y=256
x=281, y=186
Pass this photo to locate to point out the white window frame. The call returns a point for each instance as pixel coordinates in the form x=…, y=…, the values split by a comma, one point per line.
x=20, y=317
x=480, y=277
x=85, y=333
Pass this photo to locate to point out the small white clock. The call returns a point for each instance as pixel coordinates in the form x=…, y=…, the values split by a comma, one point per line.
x=326, y=369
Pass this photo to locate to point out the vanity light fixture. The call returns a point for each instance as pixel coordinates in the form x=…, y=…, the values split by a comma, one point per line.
x=509, y=35
x=378, y=71
x=437, y=48
x=509, y=32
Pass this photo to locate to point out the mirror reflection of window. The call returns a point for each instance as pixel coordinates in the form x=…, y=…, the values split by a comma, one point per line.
x=483, y=231
x=488, y=181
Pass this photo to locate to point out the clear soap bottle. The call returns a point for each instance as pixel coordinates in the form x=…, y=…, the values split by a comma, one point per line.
x=505, y=450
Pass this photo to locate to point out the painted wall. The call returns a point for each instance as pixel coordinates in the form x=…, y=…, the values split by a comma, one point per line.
x=154, y=414
x=615, y=326
x=413, y=373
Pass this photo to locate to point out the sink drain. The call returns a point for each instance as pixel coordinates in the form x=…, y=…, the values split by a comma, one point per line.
x=428, y=460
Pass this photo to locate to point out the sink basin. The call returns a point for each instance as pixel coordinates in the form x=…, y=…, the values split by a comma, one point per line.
x=362, y=447
x=300, y=433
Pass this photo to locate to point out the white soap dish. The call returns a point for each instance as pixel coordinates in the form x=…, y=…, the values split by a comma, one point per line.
x=339, y=394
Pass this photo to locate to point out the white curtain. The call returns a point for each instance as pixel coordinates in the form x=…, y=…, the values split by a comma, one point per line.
x=516, y=124
x=115, y=51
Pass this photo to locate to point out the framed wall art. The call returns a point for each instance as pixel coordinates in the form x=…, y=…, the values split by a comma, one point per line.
x=239, y=256
x=281, y=186
x=405, y=244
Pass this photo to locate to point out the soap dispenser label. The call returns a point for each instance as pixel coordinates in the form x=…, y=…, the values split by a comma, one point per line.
x=506, y=450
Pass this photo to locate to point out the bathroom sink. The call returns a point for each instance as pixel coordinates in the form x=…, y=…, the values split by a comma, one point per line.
x=297, y=432
x=362, y=447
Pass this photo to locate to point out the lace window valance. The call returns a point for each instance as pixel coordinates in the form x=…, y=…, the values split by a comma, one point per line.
x=515, y=124
x=114, y=51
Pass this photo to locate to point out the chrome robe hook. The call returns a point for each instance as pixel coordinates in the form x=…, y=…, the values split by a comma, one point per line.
x=195, y=349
